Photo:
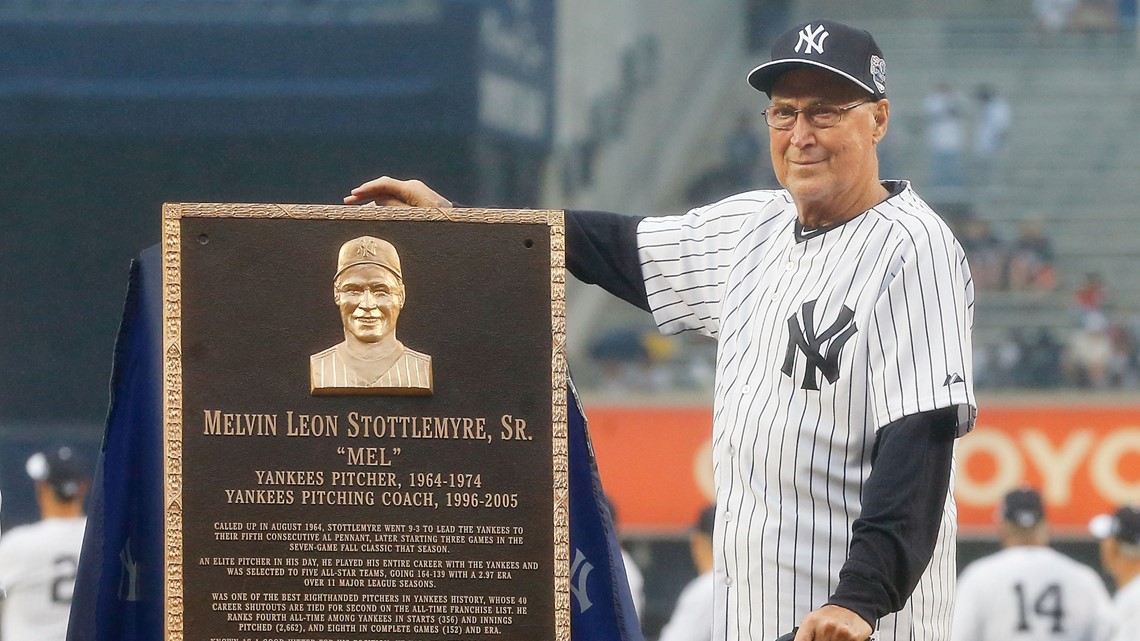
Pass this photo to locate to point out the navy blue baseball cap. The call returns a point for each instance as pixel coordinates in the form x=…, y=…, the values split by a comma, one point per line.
x=1124, y=525
x=1023, y=507
x=706, y=521
x=825, y=44
x=60, y=467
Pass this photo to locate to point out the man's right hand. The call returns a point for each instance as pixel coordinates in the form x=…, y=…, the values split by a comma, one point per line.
x=390, y=192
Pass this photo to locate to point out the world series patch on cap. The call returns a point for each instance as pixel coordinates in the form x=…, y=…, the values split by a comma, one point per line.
x=826, y=44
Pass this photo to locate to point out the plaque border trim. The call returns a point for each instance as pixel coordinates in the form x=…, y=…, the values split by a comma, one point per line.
x=172, y=215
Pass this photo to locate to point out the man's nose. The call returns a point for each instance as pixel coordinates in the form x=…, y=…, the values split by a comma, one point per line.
x=803, y=132
x=368, y=300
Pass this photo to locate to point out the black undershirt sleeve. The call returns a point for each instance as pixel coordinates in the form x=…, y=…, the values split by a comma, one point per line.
x=893, y=539
x=601, y=249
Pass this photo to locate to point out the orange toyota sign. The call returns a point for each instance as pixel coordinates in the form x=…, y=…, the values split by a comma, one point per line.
x=1085, y=460
x=655, y=462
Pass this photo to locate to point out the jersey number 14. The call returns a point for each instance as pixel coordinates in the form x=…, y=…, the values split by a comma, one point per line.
x=1049, y=604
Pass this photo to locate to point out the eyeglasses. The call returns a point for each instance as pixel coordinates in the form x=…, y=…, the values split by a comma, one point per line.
x=819, y=115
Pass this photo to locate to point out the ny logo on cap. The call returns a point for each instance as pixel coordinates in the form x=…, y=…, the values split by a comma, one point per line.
x=366, y=249
x=808, y=38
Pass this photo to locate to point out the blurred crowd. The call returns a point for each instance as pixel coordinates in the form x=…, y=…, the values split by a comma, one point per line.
x=1083, y=16
x=1095, y=345
x=960, y=135
x=1026, y=264
x=640, y=359
x=1098, y=347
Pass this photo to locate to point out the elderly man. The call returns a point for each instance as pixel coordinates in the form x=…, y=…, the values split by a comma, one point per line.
x=369, y=291
x=843, y=309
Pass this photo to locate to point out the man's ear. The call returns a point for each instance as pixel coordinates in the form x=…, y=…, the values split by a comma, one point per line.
x=882, y=114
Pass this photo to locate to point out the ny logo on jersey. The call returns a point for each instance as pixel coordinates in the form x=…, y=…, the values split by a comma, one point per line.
x=808, y=39
x=805, y=339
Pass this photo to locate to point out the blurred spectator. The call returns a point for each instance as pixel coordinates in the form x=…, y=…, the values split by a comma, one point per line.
x=1091, y=295
x=1090, y=353
x=945, y=136
x=1006, y=360
x=986, y=253
x=38, y=561
x=1031, y=259
x=1053, y=15
x=623, y=357
x=1025, y=358
x=1124, y=370
x=742, y=153
x=636, y=359
x=693, y=615
x=1041, y=357
x=1092, y=16
x=984, y=374
x=991, y=136
x=1119, y=535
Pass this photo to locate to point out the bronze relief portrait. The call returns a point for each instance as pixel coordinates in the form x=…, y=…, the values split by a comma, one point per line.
x=368, y=288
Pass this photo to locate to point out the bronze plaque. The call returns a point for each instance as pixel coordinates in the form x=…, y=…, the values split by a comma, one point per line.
x=365, y=424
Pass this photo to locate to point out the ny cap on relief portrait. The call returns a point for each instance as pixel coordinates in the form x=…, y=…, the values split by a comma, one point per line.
x=368, y=288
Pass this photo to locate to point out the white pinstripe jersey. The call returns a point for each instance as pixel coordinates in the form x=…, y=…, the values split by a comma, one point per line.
x=1031, y=593
x=337, y=369
x=37, y=567
x=1126, y=607
x=821, y=341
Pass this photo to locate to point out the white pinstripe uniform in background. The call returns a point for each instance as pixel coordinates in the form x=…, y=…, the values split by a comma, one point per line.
x=1028, y=591
x=38, y=561
x=37, y=566
x=1031, y=593
x=1119, y=535
x=823, y=340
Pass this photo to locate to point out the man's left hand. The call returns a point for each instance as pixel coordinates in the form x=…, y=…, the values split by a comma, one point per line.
x=833, y=623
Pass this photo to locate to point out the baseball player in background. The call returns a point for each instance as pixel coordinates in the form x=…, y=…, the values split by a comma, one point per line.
x=1029, y=591
x=843, y=308
x=1119, y=536
x=692, y=616
x=38, y=561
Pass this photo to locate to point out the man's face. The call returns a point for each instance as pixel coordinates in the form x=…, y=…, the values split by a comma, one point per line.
x=370, y=298
x=1109, y=556
x=826, y=167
